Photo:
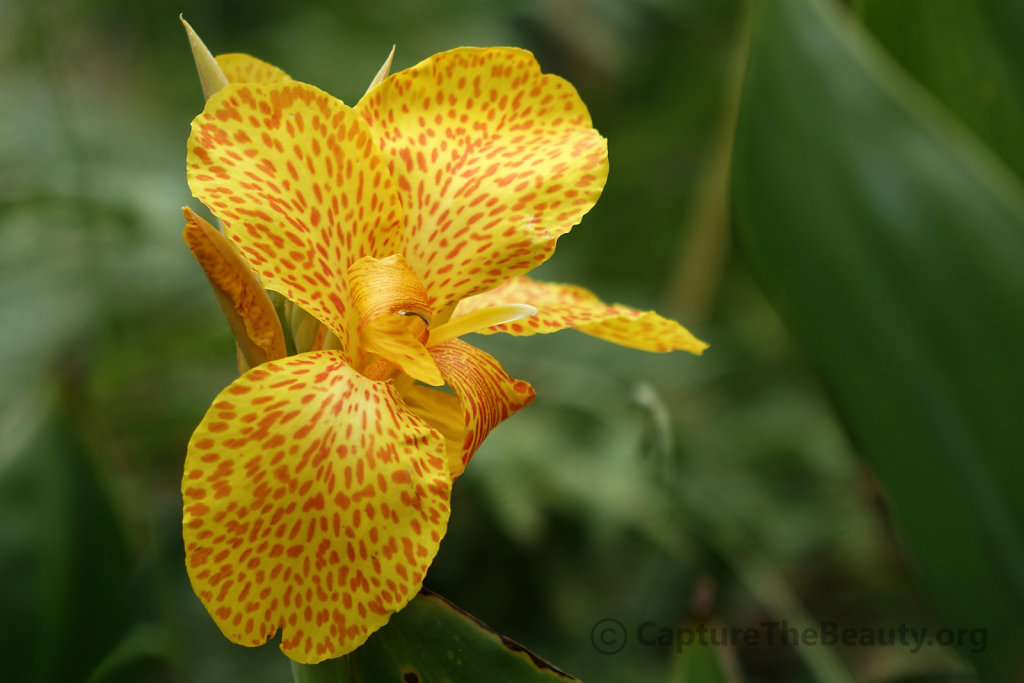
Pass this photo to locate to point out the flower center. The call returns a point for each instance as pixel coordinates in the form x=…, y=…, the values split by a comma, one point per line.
x=395, y=318
x=394, y=315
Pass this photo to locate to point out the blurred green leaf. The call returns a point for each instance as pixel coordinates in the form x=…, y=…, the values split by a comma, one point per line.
x=146, y=642
x=65, y=564
x=433, y=640
x=893, y=242
x=704, y=663
x=1007, y=17
x=951, y=47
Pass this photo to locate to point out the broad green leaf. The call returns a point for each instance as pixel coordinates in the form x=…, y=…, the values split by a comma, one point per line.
x=433, y=641
x=1007, y=17
x=893, y=243
x=951, y=47
x=64, y=564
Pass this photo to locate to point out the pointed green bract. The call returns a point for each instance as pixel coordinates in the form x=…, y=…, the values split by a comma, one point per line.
x=211, y=76
x=383, y=72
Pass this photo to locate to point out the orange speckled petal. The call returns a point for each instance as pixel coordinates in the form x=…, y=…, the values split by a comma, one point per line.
x=249, y=312
x=314, y=502
x=301, y=188
x=242, y=68
x=561, y=306
x=487, y=393
x=493, y=160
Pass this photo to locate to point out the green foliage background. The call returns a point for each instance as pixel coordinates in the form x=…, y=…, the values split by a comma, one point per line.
x=828, y=194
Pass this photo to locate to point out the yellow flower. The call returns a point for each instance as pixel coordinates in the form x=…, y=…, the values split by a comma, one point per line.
x=317, y=487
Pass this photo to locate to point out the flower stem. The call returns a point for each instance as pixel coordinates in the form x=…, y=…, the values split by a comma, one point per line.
x=328, y=671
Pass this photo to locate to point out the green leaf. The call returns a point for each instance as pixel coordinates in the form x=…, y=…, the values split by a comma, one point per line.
x=704, y=663
x=432, y=640
x=952, y=48
x=1007, y=17
x=64, y=564
x=893, y=243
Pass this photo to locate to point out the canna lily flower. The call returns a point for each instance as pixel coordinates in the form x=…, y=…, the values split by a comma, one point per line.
x=317, y=487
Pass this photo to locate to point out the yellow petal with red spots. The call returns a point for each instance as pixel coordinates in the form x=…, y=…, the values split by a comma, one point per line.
x=493, y=160
x=487, y=396
x=248, y=310
x=242, y=68
x=561, y=306
x=314, y=502
x=301, y=188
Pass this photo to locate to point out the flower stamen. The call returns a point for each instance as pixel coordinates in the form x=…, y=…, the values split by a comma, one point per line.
x=415, y=313
x=479, y=320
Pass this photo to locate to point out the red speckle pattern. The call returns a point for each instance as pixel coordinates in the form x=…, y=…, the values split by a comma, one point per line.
x=561, y=306
x=493, y=160
x=302, y=189
x=314, y=503
x=315, y=496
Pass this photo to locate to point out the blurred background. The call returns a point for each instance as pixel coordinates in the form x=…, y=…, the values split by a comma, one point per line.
x=848, y=240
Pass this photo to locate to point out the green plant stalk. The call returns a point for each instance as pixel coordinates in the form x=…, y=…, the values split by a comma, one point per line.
x=328, y=671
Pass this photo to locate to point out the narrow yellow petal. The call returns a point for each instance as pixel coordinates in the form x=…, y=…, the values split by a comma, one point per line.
x=561, y=306
x=245, y=304
x=480, y=319
x=644, y=330
x=314, y=502
x=211, y=76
